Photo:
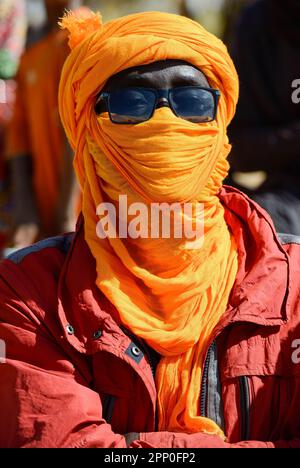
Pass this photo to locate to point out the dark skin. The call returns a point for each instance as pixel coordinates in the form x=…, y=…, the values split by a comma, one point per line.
x=162, y=74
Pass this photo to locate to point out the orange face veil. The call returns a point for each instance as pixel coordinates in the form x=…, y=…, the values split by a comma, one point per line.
x=165, y=293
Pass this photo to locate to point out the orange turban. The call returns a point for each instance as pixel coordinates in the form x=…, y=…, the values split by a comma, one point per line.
x=166, y=293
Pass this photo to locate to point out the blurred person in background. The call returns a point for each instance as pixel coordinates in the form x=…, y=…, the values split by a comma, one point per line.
x=266, y=130
x=12, y=40
x=44, y=192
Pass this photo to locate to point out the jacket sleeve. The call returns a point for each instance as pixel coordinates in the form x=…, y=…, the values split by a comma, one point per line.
x=45, y=399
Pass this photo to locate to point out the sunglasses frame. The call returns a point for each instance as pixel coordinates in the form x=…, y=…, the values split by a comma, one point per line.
x=162, y=99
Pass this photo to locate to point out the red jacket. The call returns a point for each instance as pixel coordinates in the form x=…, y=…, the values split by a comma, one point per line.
x=74, y=378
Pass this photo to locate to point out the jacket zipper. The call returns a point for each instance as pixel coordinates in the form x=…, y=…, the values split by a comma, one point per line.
x=144, y=348
x=245, y=407
x=204, y=384
x=108, y=408
x=244, y=395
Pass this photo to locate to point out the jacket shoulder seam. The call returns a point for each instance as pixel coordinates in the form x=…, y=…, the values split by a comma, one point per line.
x=63, y=243
x=288, y=238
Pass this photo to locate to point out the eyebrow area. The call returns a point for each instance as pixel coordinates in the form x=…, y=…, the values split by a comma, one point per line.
x=147, y=82
x=157, y=76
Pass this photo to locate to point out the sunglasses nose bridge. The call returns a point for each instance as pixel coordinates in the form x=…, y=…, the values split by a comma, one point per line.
x=162, y=98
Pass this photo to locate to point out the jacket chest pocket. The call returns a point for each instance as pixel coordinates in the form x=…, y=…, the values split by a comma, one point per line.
x=260, y=379
x=261, y=407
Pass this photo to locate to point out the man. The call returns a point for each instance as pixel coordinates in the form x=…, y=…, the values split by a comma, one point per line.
x=139, y=339
x=266, y=130
x=43, y=195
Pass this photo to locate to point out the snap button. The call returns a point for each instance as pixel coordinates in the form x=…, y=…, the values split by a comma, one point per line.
x=97, y=334
x=135, y=351
x=70, y=330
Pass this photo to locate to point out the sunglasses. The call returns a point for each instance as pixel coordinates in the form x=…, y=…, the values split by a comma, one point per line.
x=135, y=105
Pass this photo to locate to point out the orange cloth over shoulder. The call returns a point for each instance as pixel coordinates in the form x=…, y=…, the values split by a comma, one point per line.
x=167, y=293
x=36, y=129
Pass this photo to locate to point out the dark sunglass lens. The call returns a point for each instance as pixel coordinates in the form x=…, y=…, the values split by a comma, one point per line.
x=193, y=104
x=131, y=105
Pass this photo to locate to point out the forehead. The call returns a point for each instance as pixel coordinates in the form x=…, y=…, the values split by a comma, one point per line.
x=166, y=71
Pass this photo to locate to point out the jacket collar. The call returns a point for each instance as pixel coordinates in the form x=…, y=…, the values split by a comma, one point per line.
x=259, y=294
